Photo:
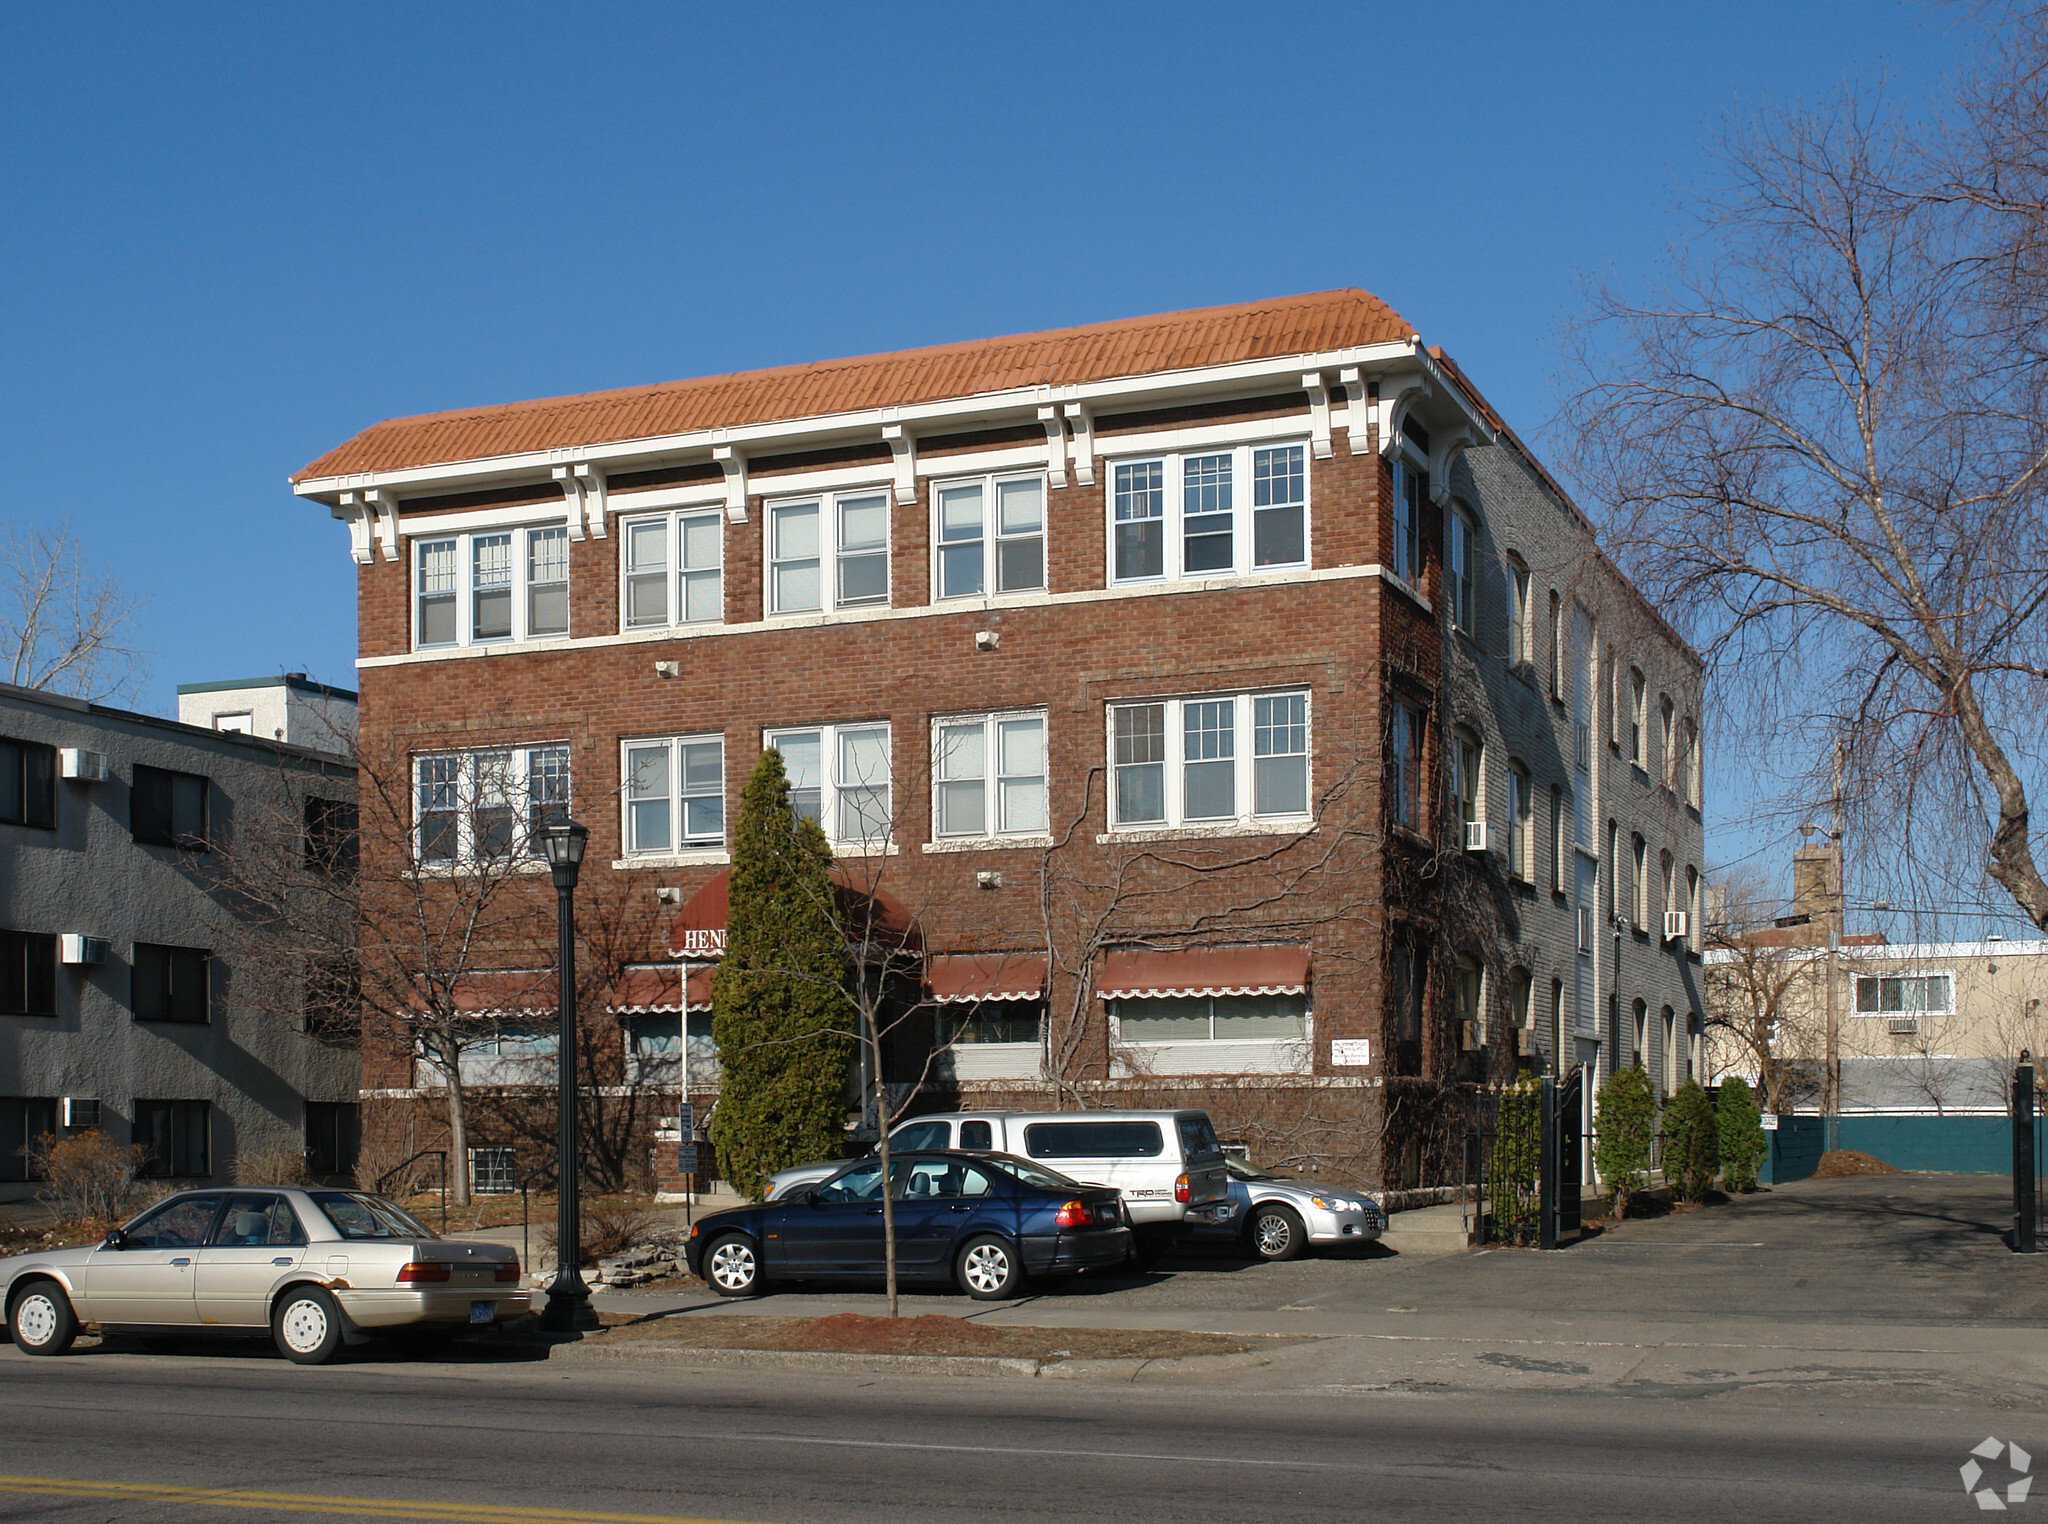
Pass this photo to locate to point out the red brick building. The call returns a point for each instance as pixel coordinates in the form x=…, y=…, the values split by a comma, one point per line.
x=1182, y=678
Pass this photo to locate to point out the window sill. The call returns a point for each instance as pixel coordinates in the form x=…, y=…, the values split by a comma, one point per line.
x=488, y=647
x=33, y=1015
x=990, y=844
x=457, y=870
x=706, y=859
x=1216, y=832
x=1408, y=590
x=845, y=849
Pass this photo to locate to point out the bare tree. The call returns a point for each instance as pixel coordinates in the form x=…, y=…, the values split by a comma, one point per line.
x=418, y=932
x=1820, y=453
x=63, y=627
x=1765, y=1002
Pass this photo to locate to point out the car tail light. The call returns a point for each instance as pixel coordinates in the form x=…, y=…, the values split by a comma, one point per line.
x=1074, y=1214
x=417, y=1274
x=1180, y=1189
x=509, y=1273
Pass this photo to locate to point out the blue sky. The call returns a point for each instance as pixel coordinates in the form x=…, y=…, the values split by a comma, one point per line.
x=232, y=236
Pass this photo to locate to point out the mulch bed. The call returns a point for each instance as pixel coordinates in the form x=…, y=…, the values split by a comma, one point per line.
x=1848, y=1163
x=850, y=1333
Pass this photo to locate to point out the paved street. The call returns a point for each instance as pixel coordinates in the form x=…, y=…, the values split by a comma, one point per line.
x=1832, y=1349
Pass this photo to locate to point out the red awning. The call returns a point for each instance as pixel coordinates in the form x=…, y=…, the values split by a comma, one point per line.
x=698, y=930
x=508, y=992
x=642, y=990
x=986, y=976
x=1269, y=970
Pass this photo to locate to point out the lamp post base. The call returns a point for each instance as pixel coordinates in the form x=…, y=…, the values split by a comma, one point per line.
x=568, y=1309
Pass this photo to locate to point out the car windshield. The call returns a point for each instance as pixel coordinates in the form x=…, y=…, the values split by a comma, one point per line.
x=355, y=1215
x=1239, y=1170
x=1033, y=1174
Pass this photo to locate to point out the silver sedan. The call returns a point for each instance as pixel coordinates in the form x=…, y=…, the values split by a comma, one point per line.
x=1278, y=1217
x=316, y=1269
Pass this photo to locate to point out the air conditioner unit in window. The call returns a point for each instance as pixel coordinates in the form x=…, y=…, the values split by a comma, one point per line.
x=1903, y=1026
x=1475, y=836
x=82, y=766
x=77, y=1111
x=1676, y=924
x=75, y=949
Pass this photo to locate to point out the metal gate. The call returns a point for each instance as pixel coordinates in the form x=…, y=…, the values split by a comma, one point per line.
x=2028, y=1193
x=1563, y=1182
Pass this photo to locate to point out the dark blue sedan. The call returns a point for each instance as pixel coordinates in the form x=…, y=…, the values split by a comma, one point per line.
x=982, y=1221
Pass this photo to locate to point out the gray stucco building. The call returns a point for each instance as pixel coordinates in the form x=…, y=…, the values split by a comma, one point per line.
x=131, y=997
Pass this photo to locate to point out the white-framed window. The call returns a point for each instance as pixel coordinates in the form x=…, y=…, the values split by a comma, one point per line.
x=1467, y=777
x=1637, y=697
x=1688, y=784
x=1639, y=896
x=1231, y=758
x=1557, y=688
x=1216, y=513
x=673, y=565
x=830, y=552
x=1459, y=534
x=1667, y=741
x=1404, y=765
x=1520, y=809
x=839, y=777
x=1521, y=643
x=1211, y=1018
x=1410, y=494
x=486, y=806
x=489, y=586
x=675, y=795
x=989, y=536
x=1907, y=994
x=988, y=775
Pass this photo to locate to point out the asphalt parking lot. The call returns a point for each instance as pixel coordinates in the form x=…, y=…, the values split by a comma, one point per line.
x=1919, y=1249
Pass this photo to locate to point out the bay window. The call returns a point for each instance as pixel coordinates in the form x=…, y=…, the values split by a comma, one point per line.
x=990, y=536
x=829, y=553
x=839, y=777
x=499, y=585
x=674, y=569
x=1185, y=516
x=487, y=806
x=1232, y=759
x=675, y=795
x=989, y=775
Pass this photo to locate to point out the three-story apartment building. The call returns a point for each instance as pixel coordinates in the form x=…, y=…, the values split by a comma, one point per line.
x=1239, y=710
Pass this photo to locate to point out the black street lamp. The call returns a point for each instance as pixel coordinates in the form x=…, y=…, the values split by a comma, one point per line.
x=568, y=1308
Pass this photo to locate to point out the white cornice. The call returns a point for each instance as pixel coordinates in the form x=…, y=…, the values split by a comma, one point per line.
x=1019, y=405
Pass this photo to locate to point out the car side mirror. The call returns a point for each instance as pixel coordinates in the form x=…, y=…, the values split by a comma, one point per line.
x=116, y=1239
x=811, y=1197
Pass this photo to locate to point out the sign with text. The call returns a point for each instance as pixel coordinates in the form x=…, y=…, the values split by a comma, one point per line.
x=702, y=943
x=686, y=1158
x=1351, y=1053
x=1770, y=1121
x=686, y=1121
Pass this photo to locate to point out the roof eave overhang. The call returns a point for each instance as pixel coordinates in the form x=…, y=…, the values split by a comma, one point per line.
x=957, y=414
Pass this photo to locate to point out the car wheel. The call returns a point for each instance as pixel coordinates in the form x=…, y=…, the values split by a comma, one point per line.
x=307, y=1324
x=1276, y=1233
x=733, y=1266
x=41, y=1320
x=990, y=1270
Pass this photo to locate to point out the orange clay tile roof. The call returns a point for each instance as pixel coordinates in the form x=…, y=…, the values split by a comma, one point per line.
x=1139, y=346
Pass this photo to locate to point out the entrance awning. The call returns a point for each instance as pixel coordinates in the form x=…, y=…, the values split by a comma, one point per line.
x=986, y=976
x=698, y=930
x=651, y=991
x=1268, y=970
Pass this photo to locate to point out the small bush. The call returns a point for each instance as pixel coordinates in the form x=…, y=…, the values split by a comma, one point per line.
x=1692, y=1143
x=610, y=1225
x=1624, y=1115
x=271, y=1164
x=87, y=1178
x=1741, y=1134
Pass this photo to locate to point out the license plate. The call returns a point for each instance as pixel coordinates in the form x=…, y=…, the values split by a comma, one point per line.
x=482, y=1312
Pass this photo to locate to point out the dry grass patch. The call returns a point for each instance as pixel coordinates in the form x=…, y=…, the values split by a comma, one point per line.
x=849, y=1333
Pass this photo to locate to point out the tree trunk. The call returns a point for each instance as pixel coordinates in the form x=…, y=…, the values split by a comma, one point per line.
x=457, y=1163
x=873, y=1040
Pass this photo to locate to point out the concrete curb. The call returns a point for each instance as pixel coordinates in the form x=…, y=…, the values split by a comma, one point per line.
x=1125, y=1369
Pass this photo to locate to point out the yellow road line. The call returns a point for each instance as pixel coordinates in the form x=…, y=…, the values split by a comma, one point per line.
x=309, y=1502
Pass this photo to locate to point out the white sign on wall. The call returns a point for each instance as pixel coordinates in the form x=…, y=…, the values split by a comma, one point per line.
x=1351, y=1053
x=1770, y=1121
